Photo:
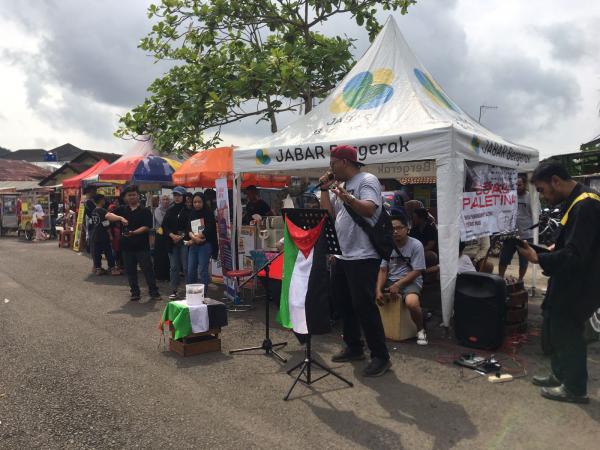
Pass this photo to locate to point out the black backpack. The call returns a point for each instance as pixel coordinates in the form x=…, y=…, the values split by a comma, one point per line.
x=381, y=234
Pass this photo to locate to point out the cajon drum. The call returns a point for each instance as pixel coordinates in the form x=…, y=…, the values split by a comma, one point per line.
x=397, y=323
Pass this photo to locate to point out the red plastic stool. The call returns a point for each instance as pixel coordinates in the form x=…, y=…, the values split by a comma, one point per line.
x=64, y=238
x=237, y=305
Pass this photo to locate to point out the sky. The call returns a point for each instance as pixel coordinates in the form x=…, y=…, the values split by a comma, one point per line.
x=70, y=68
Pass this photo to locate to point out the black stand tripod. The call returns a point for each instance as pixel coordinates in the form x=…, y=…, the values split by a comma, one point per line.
x=267, y=344
x=306, y=369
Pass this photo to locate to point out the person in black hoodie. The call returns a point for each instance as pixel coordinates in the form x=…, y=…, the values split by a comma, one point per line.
x=175, y=226
x=573, y=292
x=202, y=231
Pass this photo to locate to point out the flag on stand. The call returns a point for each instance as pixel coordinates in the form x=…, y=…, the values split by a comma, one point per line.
x=304, y=304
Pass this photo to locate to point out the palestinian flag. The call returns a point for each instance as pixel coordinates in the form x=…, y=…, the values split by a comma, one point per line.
x=304, y=304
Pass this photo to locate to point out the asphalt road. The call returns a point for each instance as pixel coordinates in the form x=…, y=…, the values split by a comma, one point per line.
x=81, y=367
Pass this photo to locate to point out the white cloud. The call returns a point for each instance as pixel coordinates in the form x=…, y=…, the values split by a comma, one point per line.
x=69, y=68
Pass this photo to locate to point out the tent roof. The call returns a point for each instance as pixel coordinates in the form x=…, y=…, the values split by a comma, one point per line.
x=391, y=108
x=75, y=182
x=204, y=167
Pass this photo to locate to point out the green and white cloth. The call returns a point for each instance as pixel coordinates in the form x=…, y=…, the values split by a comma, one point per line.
x=185, y=319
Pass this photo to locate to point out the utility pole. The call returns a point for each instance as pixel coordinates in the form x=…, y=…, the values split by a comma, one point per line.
x=482, y=108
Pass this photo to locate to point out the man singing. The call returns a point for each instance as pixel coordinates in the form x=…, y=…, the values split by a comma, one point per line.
x=573, y=292
x=355, y=271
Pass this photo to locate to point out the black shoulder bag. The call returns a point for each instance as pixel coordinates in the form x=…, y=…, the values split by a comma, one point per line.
x=381, y=234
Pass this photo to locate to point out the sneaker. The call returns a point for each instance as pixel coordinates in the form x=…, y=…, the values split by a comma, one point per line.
x=348, y=354
x=156, y=297
x=173, y=296
x=135, y=298
x=99, y=271
x=377, y=367
x=422, y=338
x=115, y=271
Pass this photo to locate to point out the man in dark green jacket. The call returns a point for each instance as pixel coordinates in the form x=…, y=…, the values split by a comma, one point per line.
x=573, y=292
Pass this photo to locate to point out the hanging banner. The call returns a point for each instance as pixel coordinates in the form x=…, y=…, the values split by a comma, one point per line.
x=489, y=201
x=79, y=227
x=224, y=234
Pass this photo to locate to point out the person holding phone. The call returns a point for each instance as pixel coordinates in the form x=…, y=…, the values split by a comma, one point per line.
x=573, y=292
x=136, y=223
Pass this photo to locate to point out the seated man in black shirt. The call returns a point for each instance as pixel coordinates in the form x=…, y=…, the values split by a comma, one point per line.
x=255, y=205
x=135, y=245
x=424, y=230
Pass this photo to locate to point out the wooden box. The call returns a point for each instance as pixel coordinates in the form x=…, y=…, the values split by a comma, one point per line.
x=197, y=343
x=397, y=323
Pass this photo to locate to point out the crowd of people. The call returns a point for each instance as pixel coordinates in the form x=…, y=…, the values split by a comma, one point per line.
x=362, y=273
x=182, y=229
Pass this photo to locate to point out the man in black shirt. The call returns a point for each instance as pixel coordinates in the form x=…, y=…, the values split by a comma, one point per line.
x=89, y=206
x=135, y=244
x=255, y=205
x=573, y=292
x=424, y=230
x=101, y=237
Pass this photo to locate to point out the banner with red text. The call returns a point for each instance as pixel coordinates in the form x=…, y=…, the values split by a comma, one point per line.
x=489, y=201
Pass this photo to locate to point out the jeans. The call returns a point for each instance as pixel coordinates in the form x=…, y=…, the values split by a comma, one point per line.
x=178, y=262
x=103, y=247
x=354, y=284
x=132, y=259
x=568, y=351
x=198, y=262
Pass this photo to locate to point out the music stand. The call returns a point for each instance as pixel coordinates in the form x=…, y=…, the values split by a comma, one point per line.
x=306, y=219
x=267, y=344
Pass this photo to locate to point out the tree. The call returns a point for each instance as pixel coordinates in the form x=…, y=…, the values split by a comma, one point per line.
x=239, y=59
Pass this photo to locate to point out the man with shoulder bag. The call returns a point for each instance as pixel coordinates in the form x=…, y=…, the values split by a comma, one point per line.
x=362, y=231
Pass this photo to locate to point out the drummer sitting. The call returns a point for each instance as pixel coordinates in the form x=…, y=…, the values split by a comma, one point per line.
x=402, y=274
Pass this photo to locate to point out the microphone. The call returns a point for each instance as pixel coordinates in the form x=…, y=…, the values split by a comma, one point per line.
x=321, y=183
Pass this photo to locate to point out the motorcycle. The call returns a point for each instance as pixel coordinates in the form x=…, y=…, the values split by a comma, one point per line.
x=549, y=224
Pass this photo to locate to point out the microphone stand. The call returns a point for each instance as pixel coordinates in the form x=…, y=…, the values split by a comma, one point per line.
x=267, y=345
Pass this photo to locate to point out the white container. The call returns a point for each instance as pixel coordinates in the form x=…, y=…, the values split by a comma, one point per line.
x=194, y=294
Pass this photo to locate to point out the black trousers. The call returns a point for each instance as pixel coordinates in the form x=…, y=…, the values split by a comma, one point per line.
x=354, y=284
x=131, y=260
x=568, y=351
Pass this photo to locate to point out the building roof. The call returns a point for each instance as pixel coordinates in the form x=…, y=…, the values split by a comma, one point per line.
x=20, y=171
x=14, y=186
x=65, y=152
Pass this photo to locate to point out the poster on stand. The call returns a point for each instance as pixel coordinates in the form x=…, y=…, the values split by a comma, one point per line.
x=79, y=227
x=489, y=203
x=246, y=243
x=224, y=234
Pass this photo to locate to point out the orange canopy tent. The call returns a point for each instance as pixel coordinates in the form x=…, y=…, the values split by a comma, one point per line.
x=75, y=182
x=204, y=167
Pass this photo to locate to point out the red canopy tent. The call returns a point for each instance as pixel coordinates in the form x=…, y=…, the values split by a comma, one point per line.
x=75, y=182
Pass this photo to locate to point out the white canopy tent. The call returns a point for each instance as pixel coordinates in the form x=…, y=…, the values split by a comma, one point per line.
x=392, y=110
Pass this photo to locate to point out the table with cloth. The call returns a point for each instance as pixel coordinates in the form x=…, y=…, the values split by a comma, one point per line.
x=186, y=320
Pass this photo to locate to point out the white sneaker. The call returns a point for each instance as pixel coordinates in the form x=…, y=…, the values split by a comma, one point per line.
x=422, y=338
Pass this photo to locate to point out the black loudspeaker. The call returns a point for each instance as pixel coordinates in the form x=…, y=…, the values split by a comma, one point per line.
x=479, y=310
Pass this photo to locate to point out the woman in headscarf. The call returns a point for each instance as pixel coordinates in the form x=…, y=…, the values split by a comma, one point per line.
x=161, y=255
x=37, y=220
x=202, y=231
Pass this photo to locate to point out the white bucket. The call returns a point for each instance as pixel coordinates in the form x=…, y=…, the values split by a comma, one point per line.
x=194, y=294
